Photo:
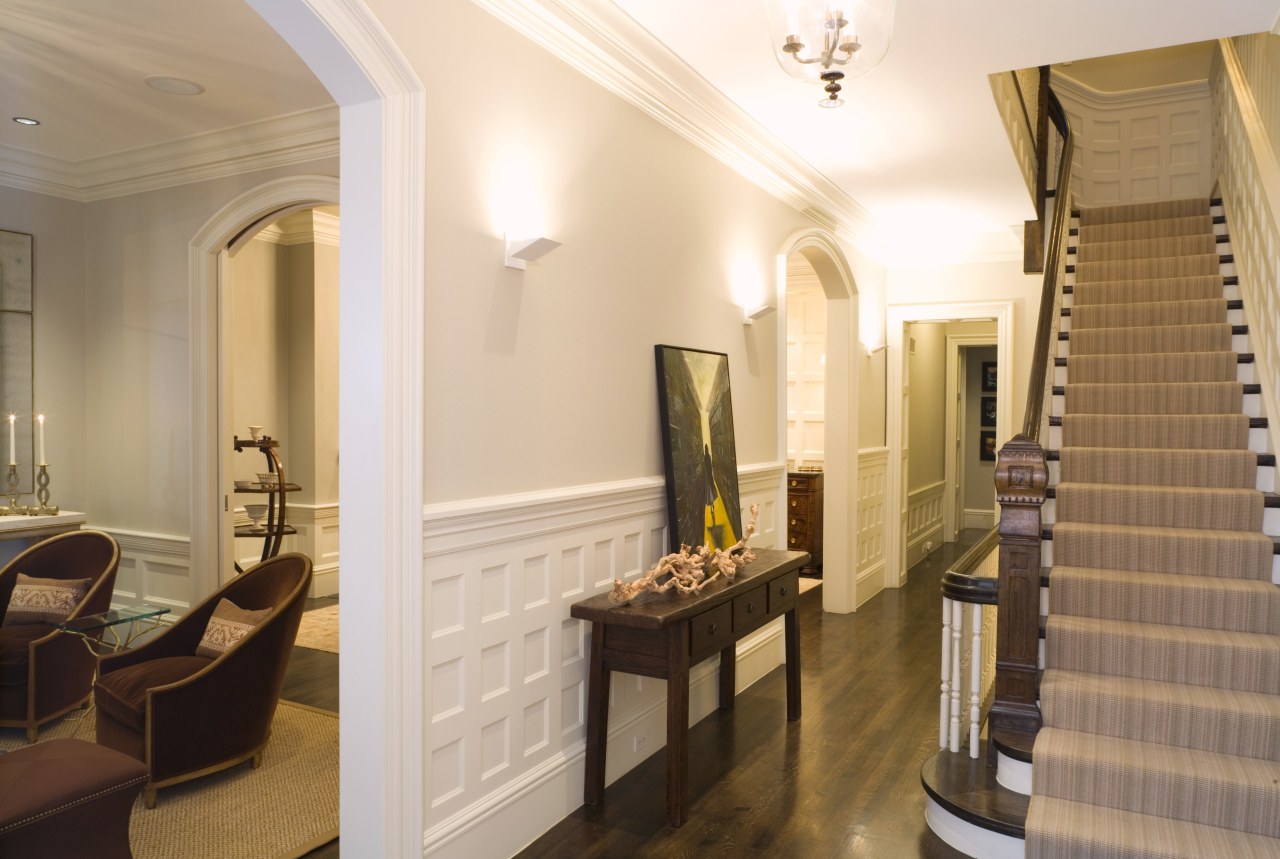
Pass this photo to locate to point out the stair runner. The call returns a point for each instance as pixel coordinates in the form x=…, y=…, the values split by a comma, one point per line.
x=1161, y=690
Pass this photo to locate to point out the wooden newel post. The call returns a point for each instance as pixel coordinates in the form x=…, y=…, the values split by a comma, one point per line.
x=1021, y=479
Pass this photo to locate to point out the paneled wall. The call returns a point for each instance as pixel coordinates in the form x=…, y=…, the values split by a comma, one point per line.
x=806, y=366
x=507, y=676
x=924, y=520
x=1245, y=162
x=1136, y=145
x=873, y=466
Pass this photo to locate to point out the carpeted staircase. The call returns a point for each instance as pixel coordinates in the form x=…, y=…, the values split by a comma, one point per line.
x=1161, y=690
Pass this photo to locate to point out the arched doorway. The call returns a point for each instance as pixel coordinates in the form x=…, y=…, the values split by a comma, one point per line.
x=823, y=254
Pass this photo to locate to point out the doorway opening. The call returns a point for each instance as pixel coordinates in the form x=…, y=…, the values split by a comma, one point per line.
x=806, y=318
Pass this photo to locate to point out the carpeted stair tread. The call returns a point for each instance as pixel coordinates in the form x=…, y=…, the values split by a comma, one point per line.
x=1139, y=398
x=1123, y=231
x=1133, y=249
x=1168, y=599
x=1224, y=721
x=1187, y=507
x=1182, y=208
x=1150, y=549
x=1215, y=432
x=1210, y=337
x=1155, y=367
x=1201, y=787
x=1060, y=829
x=1249, y=662
x=1143, y=269
x=1142, y=314
x=1154, y=466
x=1147, y=290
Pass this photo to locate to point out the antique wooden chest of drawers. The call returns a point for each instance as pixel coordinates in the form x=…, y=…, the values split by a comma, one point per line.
x=804, y=517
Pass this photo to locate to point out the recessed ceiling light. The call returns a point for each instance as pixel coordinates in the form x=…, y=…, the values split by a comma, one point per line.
x=26, y=120
x=173, y=86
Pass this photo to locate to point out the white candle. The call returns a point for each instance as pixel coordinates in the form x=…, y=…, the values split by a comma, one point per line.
x=13, y=456
x=43, y=461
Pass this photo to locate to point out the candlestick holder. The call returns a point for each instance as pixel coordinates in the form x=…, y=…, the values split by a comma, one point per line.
x=42, y=495
x=14, y=509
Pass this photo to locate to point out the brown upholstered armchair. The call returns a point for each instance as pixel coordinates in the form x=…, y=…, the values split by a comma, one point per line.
x=44, y=672
x=186, y=715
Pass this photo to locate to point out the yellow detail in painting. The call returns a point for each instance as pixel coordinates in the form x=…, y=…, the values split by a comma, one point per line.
x=719, y=532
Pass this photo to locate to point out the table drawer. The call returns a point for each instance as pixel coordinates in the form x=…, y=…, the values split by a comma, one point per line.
x=711, y=631
x=750, y=609
x=783, y=591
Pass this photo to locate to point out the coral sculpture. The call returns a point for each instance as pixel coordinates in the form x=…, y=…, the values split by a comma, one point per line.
x=691, y=570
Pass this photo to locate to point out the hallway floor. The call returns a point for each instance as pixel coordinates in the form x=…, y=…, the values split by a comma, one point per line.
x=843, y=781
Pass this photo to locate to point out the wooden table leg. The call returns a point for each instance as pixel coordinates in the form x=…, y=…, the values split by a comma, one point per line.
x=677, y=724
x=597, y=719
x=792, y=635
x=728, y=676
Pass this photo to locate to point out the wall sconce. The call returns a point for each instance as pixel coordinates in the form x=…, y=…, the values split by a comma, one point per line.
x=521, y=251
x=749, y=316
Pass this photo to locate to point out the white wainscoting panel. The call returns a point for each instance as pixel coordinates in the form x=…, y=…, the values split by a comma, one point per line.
x=873, y=466
x=506, y=683
x=1249, y=180
x=317, y=538
x=1138, y=145
x=924, y=520
x=154, y=568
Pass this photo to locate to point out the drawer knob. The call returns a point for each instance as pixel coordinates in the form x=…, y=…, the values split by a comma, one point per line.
x=795, y=483
x=782, y=591
x=751, y=607
x=795, y=503
x=711, y=629
x=793, y=539
x=793, y=521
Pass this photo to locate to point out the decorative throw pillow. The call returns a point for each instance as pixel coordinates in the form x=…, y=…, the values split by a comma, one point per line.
x=228, y=625
x=44, y=600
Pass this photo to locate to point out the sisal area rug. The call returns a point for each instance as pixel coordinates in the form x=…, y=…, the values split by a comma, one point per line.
x=319, y=629
x=282, y=810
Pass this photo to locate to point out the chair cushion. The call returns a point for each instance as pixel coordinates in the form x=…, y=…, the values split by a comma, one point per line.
x=228, y=625
x=48, y=600
x=122, y=694
x=14, y=653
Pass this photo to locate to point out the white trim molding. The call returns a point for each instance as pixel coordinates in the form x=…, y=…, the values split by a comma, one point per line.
x=154, y=568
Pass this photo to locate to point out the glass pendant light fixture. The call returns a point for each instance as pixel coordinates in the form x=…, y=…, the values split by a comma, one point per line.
x=828, y=42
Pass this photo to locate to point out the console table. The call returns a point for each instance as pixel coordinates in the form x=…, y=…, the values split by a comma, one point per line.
x=661, y=635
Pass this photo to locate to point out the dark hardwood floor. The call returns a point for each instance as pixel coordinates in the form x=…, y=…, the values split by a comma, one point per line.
x=843, y=781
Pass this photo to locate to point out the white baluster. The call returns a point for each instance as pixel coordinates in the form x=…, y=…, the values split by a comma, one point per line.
x=975, y=678
x=945, y=703
x=957, y=622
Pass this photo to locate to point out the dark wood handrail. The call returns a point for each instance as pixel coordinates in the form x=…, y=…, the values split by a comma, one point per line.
x=1049, y=285
x=959, y=582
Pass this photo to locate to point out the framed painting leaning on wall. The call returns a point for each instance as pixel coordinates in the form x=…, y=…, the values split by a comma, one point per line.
x=698, y=449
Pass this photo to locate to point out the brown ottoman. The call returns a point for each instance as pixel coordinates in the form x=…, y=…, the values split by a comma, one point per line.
x=67, y=798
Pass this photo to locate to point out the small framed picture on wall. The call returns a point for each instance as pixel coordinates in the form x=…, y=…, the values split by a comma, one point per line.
x=987, y=440
x=988, y=411
x=988, y=377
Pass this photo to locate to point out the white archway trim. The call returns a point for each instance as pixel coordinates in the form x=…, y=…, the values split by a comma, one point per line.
x=898, y=315
x=380, y=413
x=208, y=446
x=840, y=507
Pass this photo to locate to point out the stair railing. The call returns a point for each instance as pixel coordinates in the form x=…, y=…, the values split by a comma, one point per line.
x=1022, y=478
x=967, y=674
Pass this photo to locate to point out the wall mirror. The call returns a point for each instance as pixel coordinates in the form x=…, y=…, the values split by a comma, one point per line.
x=16, y=358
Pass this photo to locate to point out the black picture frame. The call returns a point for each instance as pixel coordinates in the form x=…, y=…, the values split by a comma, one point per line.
x=988, y=377
x=699, y=454
x=987, y=445
x=988, y=414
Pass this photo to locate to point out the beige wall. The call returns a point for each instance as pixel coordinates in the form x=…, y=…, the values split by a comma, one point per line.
x=926, y=437
x=259, y=384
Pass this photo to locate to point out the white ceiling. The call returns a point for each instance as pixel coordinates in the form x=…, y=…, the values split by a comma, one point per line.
x=918, y=143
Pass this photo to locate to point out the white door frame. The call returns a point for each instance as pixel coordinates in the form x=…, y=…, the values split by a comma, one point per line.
x=897, y=316
x=381, y=373
x=840, y=465
x=953, y=513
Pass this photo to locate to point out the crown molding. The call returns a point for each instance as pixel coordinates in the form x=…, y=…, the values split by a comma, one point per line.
x=601, y=41
x=1069, y=88
x=307, y=135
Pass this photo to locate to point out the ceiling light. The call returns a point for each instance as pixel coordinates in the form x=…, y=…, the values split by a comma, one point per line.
x=26, y=120
x=173, y=86
x=825, y=42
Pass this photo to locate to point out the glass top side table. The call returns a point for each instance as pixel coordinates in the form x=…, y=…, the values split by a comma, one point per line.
x=141, y=619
